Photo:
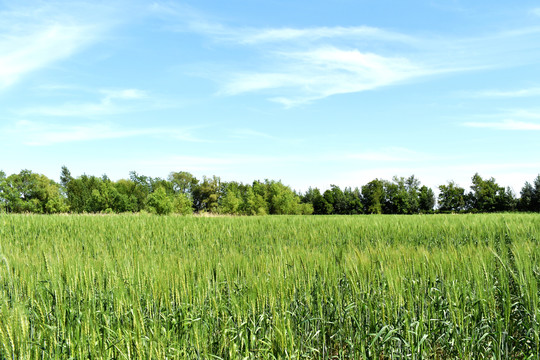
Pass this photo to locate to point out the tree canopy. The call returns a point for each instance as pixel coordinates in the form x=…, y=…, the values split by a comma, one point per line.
x=182, y=193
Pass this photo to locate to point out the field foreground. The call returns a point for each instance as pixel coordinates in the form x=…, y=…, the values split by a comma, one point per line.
x=351, y=287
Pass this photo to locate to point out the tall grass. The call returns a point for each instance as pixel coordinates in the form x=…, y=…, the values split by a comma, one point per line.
x=362, y=287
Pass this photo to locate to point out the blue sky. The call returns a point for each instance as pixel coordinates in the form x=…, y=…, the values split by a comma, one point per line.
x=312, y=92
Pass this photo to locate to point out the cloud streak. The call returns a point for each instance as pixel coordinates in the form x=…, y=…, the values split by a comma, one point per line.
x=391, y=154
x=505, y=125
x=43, y=134
x=510, y=120
x=48, y=36
x=251, y=36
x=310, y=75
x=294, y=66
x=24, y=53
x=112, y=102
x=506, y=94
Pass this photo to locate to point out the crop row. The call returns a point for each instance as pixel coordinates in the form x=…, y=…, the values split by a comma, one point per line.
x=360, y=287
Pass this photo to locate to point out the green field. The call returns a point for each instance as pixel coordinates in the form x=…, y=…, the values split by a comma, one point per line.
x=350, y=287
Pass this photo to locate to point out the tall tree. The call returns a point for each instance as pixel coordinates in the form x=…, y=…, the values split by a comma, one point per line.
x=353, y=200
x=451, y=197
x=426, y=199
x=317, y=201
x=373, y=197
x=488, y=196
x=3, y=191
x=530, y=196
x=206, y=194
x=183, y=182
x=231, y=201
x=396, y=197
x=159, y=202
x=34, y=193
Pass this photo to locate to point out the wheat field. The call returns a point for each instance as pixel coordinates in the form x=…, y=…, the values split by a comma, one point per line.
x=274, y=287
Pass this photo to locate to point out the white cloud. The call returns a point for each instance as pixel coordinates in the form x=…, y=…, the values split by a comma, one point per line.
x=256, y=36
x=35, y=37
x=300, y=65
x=112, y=102
x=536, y=11
x=21, y=54
x=41, y=134
x=327, y=71
x=507, y=94
x=504, y=125
x=391, y=154
x=523, y=114
x=125, y=94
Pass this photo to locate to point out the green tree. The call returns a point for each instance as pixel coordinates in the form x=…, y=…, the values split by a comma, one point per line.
x=206, y=194
x=353, y=201
x=483, y=197
x=34, y=193
x=412, y=186
x=253, y=202
x=130, y=197
x=488, y=196
x=451, y=197
x=3, y=189
x=317, y=201
x=335, y=197
x=232, y=200
x=183, y=182
x=426, y=199
x=373, y=196
x=65, y=178
x=282, y=200
x=159, y=202
x=530, y=196
x=396, y=197
x=90, y=194
x=506, y=200
x=182, y=204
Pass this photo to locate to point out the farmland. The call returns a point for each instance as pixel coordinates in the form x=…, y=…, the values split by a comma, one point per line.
x=320, y=287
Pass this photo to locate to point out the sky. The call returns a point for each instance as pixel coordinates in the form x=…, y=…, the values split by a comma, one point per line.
x=308, y=92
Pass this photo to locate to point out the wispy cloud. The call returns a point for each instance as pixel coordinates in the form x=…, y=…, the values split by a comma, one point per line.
x=252, y=36
x=390, y=154
x=327, y=71
x=513, y=119
x=51, y=32
x=35, y=133
x=300, y=65
x=125, y=94
x=535, y=11
x=535, y=91
x=250, y=135
x=23, y=53
x=504, y=125
x=111, y=102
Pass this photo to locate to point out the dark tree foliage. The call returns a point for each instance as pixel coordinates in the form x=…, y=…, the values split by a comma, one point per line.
x=451, y=197
x=30, y=192
x=3, y=184
x=183, y=182
x=182, y=193
x=353, y=199
x=426, y=199
x=488, y=196
x=207, y=193
x=319, y=203
x=373, y=197
x=530, y=196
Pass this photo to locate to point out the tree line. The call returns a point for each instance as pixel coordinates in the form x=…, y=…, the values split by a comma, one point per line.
x=182, y=193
